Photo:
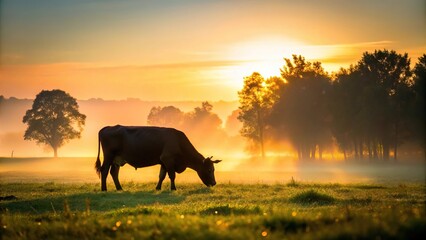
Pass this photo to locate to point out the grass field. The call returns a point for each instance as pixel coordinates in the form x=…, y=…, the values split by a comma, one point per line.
x=291, y=210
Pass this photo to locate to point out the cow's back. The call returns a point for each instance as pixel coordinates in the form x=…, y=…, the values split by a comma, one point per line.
x=140, y=146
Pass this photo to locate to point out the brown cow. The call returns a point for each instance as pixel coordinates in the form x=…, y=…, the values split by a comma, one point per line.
x=148, y=146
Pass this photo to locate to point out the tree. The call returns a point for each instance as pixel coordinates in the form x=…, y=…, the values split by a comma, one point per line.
x=301, y=111
x=203, y=125
x=168, y=116
x=370, y=104
x=54, y=119
x=419, y=88
x=256, y=100
x=345, y=107
x=386, y=94
x=202, y=118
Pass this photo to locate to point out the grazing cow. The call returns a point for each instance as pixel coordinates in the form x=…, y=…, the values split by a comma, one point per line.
x=148, y=146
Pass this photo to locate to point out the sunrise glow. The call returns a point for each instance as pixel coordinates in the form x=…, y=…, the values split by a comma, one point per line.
x=190, y=51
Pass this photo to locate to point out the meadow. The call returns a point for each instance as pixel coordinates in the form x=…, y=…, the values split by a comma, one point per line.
x=46, y=198
x=293, y=210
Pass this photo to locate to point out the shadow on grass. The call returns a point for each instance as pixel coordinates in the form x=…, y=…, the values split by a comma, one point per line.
x=200, y=191
x=100, y=201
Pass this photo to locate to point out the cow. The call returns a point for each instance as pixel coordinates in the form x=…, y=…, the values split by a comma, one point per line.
x=144, y=146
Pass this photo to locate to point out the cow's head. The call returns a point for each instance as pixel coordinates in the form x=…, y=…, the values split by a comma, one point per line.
x=206, y=173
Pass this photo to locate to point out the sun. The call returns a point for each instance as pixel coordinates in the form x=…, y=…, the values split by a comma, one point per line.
x=263, y=55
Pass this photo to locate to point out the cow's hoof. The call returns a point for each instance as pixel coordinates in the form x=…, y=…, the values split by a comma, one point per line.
x=158, y=189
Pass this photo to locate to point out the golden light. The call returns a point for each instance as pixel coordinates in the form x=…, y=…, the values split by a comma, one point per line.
x=265, y=56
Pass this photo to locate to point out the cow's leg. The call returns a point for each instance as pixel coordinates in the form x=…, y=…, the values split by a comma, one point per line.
x=172, y=176
x=104, y=174
x=168, y=161
x=114, y=173
x=105, y=169
x=161, y=177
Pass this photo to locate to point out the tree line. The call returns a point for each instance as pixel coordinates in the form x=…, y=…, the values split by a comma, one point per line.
x=368, y=109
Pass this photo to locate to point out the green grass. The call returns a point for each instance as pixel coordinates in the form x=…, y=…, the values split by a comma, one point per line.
x=312, y=197
x=227, y=211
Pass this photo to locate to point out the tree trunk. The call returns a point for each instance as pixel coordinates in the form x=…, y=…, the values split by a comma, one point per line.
x=344, y=154
x=356, y=150
x=386, y=149
x=306, y=152
x=370, y=153
x=55, y=152
x=313, y=152
x=261, y=132
x=375, y=153
x=395, y=144
x=262, y=147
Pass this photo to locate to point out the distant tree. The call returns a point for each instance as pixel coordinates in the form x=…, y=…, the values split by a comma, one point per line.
x=419, y=88
x=54, y=119
x=203, y=117
x=203, y=125
x=168, y=116
x=256, y=100
x=301, y=111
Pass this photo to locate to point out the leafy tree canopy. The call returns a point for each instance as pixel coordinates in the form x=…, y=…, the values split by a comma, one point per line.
x=54, y=119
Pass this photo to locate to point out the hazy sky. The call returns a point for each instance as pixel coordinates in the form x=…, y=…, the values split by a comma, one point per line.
x=188, y=50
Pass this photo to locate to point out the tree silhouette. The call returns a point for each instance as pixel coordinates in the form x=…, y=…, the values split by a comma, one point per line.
x=204, y=125
x=168, y=116
x=345, y=107
x=256, y=100
x=203, y=118
x=301, y=111
x=370, y=105
x=386, y=75
x=419, y=88
x=53, y=119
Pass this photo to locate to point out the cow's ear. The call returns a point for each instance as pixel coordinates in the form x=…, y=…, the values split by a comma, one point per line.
x=216, y=161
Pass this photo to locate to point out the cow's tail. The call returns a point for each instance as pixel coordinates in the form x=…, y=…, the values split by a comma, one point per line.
x=98, y=161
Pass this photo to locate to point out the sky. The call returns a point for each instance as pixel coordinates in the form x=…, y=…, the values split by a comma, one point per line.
x=190, y=49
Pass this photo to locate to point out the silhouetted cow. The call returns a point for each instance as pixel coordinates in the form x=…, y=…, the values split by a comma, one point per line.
x=148, y=146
